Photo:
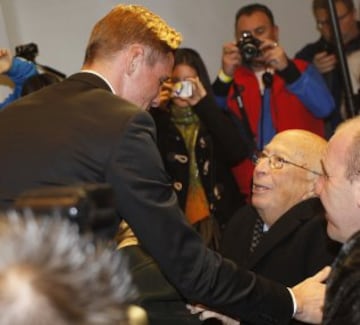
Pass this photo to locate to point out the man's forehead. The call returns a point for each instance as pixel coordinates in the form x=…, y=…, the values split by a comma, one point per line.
x=255, y=19
x=337, y=146
x=282, y=146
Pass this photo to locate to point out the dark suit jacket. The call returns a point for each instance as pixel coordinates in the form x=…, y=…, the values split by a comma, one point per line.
x=77, y=131
x=294, y=248
x=163, y=304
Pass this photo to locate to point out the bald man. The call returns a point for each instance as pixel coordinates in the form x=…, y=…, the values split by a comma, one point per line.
x=293, y=241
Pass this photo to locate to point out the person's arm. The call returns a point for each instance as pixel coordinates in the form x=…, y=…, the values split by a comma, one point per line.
x=18, y=70
x=307, y=85
x=230, y=61
x=145, y=199
x=310, y=88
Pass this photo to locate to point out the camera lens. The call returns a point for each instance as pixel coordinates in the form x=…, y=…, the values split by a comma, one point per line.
x=249, y=51
x=249, y=46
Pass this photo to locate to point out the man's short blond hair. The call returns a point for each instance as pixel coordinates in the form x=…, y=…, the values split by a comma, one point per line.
x=128, y=24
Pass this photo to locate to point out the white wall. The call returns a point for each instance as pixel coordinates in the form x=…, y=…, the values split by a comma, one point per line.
x=61, y=28
x=5, y=84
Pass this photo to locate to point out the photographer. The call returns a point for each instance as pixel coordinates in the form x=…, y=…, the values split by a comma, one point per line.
x=265, y=90
x=196, y=142
x=322, y=53
x=18, y=70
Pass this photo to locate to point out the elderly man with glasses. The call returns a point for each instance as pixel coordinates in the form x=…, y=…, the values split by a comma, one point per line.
x=282, y=234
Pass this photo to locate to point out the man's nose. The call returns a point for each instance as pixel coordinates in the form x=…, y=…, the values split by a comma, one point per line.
x=262, y=166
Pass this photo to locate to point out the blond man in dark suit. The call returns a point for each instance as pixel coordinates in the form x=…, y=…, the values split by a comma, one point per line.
x=93, y=127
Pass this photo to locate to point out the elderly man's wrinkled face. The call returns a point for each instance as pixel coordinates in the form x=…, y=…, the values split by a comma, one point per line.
x=276, y=190
x=337, y=193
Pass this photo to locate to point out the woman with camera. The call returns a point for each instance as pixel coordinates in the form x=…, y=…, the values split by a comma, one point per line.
x=199, y=144
x=265, y=90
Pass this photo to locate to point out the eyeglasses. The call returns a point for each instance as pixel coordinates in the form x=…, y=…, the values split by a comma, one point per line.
x=320, y=24
x=277, y=162
x=324, y=171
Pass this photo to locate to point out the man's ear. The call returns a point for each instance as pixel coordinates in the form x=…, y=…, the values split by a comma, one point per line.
x=135, y=57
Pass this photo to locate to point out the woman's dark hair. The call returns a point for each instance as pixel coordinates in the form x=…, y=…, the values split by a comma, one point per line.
x=38, y=81
x=342, y=299
x=193, y=59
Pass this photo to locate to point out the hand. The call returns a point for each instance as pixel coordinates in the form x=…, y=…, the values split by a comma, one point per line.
x=273, y=55
x=231, y=58
x=205, y=314
x=198, y=92
x=324, y=62
x=310, y=296
x=5, y=60
x=164, y=95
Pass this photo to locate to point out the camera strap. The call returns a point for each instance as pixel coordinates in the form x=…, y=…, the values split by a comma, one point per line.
x=266, y=129
x=245, y=124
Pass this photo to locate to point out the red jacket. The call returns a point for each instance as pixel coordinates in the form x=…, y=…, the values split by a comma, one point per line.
x=288, y=112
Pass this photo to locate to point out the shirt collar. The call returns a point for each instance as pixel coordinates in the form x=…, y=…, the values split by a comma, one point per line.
x=102, y=77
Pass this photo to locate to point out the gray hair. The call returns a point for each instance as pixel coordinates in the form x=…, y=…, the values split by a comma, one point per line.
x=49, y=274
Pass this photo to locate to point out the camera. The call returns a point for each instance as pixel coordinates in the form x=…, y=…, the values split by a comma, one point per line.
x=182, y=89
x=27, y=51
x=325, y=46
x=249, y=46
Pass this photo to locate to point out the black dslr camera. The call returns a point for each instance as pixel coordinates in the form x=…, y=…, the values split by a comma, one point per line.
x=249, y=46
x=27, y=51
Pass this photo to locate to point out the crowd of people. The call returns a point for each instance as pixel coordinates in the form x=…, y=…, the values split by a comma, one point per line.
x=233, y=198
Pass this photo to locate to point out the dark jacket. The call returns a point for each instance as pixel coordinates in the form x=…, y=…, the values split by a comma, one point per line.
x=219, y=146
x=163, y=304
x=295, y=247
x=333, y=78
x=78, y=131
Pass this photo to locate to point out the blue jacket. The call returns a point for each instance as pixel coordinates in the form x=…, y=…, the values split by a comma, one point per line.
x=19, y=72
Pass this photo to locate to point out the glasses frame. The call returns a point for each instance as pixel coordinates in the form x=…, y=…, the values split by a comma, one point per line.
x=321, y=24
x=279, y=162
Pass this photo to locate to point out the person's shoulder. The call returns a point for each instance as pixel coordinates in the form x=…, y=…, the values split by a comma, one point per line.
x=308, y=51
x=161, y=117
x=354, y=44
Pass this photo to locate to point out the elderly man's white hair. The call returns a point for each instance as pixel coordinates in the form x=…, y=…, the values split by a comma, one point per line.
x=49, y=274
